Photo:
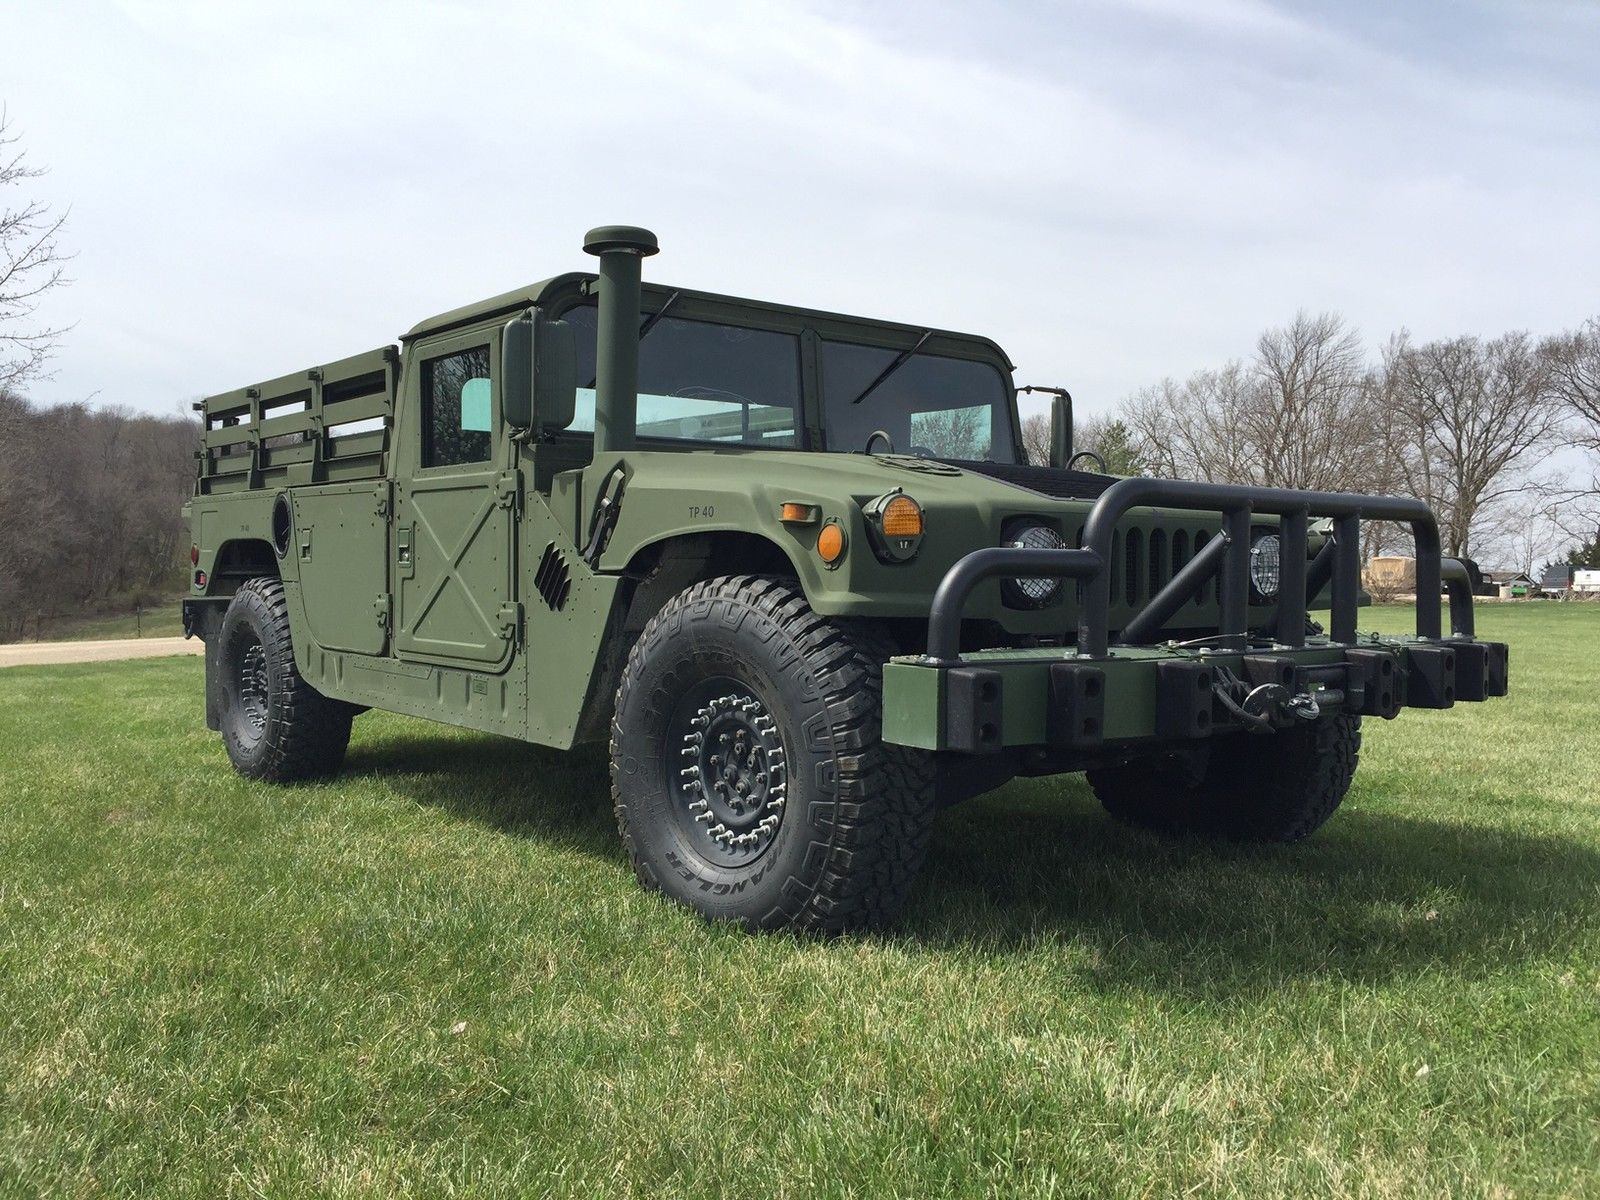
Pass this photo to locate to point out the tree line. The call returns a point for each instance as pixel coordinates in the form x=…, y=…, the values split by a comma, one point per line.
x=90, y=498
x=1470, y=424
x=90, y=502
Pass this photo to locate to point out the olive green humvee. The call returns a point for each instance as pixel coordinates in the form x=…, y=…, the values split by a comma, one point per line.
x=795, y=569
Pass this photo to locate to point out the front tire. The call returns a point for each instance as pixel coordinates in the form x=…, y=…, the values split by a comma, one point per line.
x=1279, y=787
x=275, y=725
x=749, y=777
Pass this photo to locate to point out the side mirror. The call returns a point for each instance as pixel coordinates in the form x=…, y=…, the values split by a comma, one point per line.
x=538, y=373
x=1060, y=429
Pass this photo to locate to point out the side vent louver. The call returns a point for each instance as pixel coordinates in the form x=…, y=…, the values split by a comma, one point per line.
x=553, y=579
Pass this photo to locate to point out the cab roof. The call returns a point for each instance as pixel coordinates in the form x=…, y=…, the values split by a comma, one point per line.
x=577, y=283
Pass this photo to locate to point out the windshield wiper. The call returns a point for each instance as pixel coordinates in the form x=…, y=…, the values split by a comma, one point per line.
x=899, y=361
x=649, y=323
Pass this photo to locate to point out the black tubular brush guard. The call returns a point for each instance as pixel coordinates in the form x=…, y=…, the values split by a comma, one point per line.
x=1228, y=558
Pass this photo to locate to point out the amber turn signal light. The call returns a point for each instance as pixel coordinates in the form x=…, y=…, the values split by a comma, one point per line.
x=902, y=517
x=830, y=543
x=894, y=526
x=795, y=513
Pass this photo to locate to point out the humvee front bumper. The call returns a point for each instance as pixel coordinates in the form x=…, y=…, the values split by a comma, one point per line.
x=1108, y=694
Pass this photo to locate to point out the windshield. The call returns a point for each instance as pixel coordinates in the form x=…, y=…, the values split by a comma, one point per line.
x=710, y=381
x=941, y=407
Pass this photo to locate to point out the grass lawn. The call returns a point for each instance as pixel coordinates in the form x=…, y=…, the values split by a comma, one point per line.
x=435, y=976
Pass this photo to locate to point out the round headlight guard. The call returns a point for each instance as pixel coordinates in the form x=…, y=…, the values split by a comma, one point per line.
x=1032, y=593
x=1265, y=566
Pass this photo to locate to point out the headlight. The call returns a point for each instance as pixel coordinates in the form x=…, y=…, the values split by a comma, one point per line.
x=1265, y=566
x=1032, y=593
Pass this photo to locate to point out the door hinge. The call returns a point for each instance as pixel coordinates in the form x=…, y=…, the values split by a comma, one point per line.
x=508, y=490
x=381, y=607
x=509, y=622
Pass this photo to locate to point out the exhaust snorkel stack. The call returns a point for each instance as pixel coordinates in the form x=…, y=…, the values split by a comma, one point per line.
x=620, y=249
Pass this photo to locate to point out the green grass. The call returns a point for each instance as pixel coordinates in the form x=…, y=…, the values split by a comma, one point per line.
x=435, y=976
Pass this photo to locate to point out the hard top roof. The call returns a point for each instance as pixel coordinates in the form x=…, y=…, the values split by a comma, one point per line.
x=507, y=303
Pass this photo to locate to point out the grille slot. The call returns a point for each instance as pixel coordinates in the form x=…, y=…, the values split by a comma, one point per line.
x=553, y=579
x=1158, y=560
x=1132, y=572
x=1203, y=592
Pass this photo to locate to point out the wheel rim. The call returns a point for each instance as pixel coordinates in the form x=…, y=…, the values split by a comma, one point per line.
x=253, y=685
x=732, y=774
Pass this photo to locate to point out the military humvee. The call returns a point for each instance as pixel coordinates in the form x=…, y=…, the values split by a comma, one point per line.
x=795, y=568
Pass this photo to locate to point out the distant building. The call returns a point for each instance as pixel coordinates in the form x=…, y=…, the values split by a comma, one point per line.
x=1557, y=579
x=1507, y=583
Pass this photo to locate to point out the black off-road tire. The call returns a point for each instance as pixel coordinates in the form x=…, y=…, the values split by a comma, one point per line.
x=1279, y=787
x=856, y=813
x=275, y=725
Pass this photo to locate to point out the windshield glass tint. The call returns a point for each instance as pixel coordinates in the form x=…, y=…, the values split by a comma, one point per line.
x=942, y=407
x=703, y=382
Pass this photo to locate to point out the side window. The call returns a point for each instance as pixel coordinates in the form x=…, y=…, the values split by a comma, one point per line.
x=456, y=419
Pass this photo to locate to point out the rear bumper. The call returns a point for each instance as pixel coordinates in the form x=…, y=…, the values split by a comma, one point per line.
x=202, y=616
x=1056, y=700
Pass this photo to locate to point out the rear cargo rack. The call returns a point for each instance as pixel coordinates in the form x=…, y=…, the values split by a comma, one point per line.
x=328, y=424
x=1227, y=558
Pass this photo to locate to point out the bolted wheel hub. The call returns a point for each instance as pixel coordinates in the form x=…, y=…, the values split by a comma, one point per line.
x=253, y=686
x=732, y=774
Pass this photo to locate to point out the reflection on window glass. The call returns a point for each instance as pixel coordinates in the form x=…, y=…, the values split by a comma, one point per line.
x=700, y=381
x=455, y=408
x=475, y=405
x=941, y=407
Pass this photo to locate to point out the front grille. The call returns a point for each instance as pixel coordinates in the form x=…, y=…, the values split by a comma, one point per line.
x=1144, y=560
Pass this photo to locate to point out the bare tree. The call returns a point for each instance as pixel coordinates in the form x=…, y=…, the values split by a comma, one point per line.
x=1573, y=361
x=31, y=265
x=1036, y=439
x=1297, y=414
x=1470, y=417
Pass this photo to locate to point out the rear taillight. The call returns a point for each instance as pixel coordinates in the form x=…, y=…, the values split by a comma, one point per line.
x=199, y=579
x=194, y=556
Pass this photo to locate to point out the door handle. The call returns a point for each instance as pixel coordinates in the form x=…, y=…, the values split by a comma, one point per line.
x=402, y=549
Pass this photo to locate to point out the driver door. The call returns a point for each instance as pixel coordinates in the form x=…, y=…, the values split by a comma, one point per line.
x=455, y=507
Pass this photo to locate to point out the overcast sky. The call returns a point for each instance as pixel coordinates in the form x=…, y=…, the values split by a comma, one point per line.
x=1113, y=191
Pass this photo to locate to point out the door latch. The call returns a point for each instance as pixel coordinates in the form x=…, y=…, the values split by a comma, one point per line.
x=509, y=621
x=508, y=489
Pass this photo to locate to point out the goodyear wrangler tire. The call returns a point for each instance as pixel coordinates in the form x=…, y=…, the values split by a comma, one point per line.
x=1281, y=787
x=749, y=779
x=275, y=725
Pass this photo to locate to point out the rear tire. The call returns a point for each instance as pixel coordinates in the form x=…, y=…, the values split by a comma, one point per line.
x=749, y=778
x=275, y=725
x=1279, y=787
